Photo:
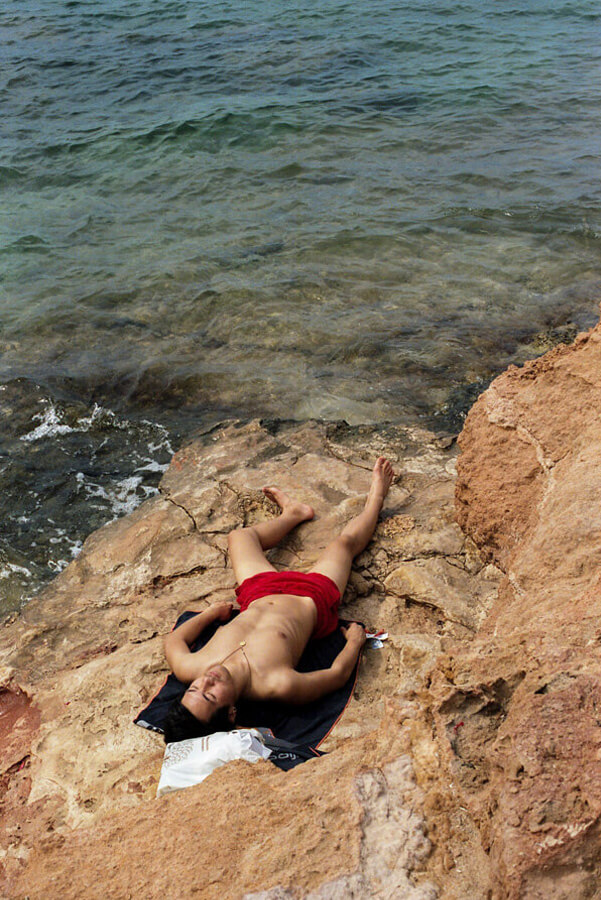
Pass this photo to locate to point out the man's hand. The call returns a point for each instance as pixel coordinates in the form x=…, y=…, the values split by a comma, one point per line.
x=354, y=634
x=222, y=611
x=304, y=687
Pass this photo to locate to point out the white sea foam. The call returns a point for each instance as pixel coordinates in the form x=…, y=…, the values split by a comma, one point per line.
x=50, y=425
x=61, y=537
x=122, y=496
x=161, y=446
x=153, y=466
x=105, y=416
x=97, y=413
x=13, y=569
x=52, y=422
x=73, y=546
x=165, y=444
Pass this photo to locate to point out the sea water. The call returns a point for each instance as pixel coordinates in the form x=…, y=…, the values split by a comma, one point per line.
x=358, y=211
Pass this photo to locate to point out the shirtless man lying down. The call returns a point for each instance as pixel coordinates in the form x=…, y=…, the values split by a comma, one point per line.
x=254, y=655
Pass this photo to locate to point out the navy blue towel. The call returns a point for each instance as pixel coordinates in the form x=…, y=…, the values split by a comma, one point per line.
x=297, y=730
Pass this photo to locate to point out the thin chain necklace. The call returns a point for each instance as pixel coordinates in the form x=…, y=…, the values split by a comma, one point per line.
x=240, y=646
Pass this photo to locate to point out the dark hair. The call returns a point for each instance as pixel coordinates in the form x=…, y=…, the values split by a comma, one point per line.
x=180, y=723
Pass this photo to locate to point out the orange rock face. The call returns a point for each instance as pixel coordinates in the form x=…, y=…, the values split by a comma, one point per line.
x=522, y=704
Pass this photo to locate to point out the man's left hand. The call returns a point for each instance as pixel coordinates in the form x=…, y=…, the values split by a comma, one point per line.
x=354, y=634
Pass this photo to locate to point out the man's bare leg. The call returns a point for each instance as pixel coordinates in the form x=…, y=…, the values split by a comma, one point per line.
x=247, y=545
x=337, y=558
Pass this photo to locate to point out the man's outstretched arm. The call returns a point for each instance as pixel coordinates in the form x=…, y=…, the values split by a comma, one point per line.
x=177, y=643
x=291, y=686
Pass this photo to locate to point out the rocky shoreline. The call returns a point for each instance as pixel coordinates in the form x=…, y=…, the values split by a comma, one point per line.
x=468, y=763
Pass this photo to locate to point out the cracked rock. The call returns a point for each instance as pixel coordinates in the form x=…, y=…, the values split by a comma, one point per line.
x=371, y=817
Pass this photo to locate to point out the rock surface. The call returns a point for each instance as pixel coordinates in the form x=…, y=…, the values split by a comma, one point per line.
x=528, y=688
x=371, y=818
x=468, y=764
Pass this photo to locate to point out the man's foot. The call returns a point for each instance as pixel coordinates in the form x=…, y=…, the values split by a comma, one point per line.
x=300, y=511
x=381, y=479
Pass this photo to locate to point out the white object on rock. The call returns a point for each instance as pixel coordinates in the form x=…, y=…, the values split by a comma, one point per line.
x=189, y=762
x=375, y=639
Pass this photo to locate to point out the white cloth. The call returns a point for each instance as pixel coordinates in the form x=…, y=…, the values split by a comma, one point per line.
x=189, y=762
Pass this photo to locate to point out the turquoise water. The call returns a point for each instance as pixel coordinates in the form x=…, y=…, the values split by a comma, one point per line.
x=358, y=211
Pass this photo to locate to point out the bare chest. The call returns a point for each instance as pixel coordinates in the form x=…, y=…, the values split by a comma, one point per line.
x=267, y=637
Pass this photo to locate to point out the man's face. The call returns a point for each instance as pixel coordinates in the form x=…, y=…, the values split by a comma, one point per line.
x=212, y=691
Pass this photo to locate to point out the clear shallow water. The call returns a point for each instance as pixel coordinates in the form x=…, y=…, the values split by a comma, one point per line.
x=358, y=211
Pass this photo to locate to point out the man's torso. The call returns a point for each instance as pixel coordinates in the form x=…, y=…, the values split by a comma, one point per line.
x=275, y=630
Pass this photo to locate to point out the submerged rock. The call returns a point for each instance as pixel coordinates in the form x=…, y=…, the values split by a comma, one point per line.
x=468, y=760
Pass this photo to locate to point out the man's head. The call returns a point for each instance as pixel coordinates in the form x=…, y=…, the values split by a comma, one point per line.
x=206, y=707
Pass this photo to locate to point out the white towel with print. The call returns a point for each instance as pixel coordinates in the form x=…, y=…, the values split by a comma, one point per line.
x=189, y=762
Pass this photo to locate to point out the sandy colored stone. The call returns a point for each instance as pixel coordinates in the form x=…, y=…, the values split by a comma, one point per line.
x=374, y=817
x=441, y=585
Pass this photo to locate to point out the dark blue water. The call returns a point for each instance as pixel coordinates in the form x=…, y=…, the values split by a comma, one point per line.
x=358, y=211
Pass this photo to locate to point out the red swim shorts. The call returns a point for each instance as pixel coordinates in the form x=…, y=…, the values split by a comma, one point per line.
x=320, y=588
